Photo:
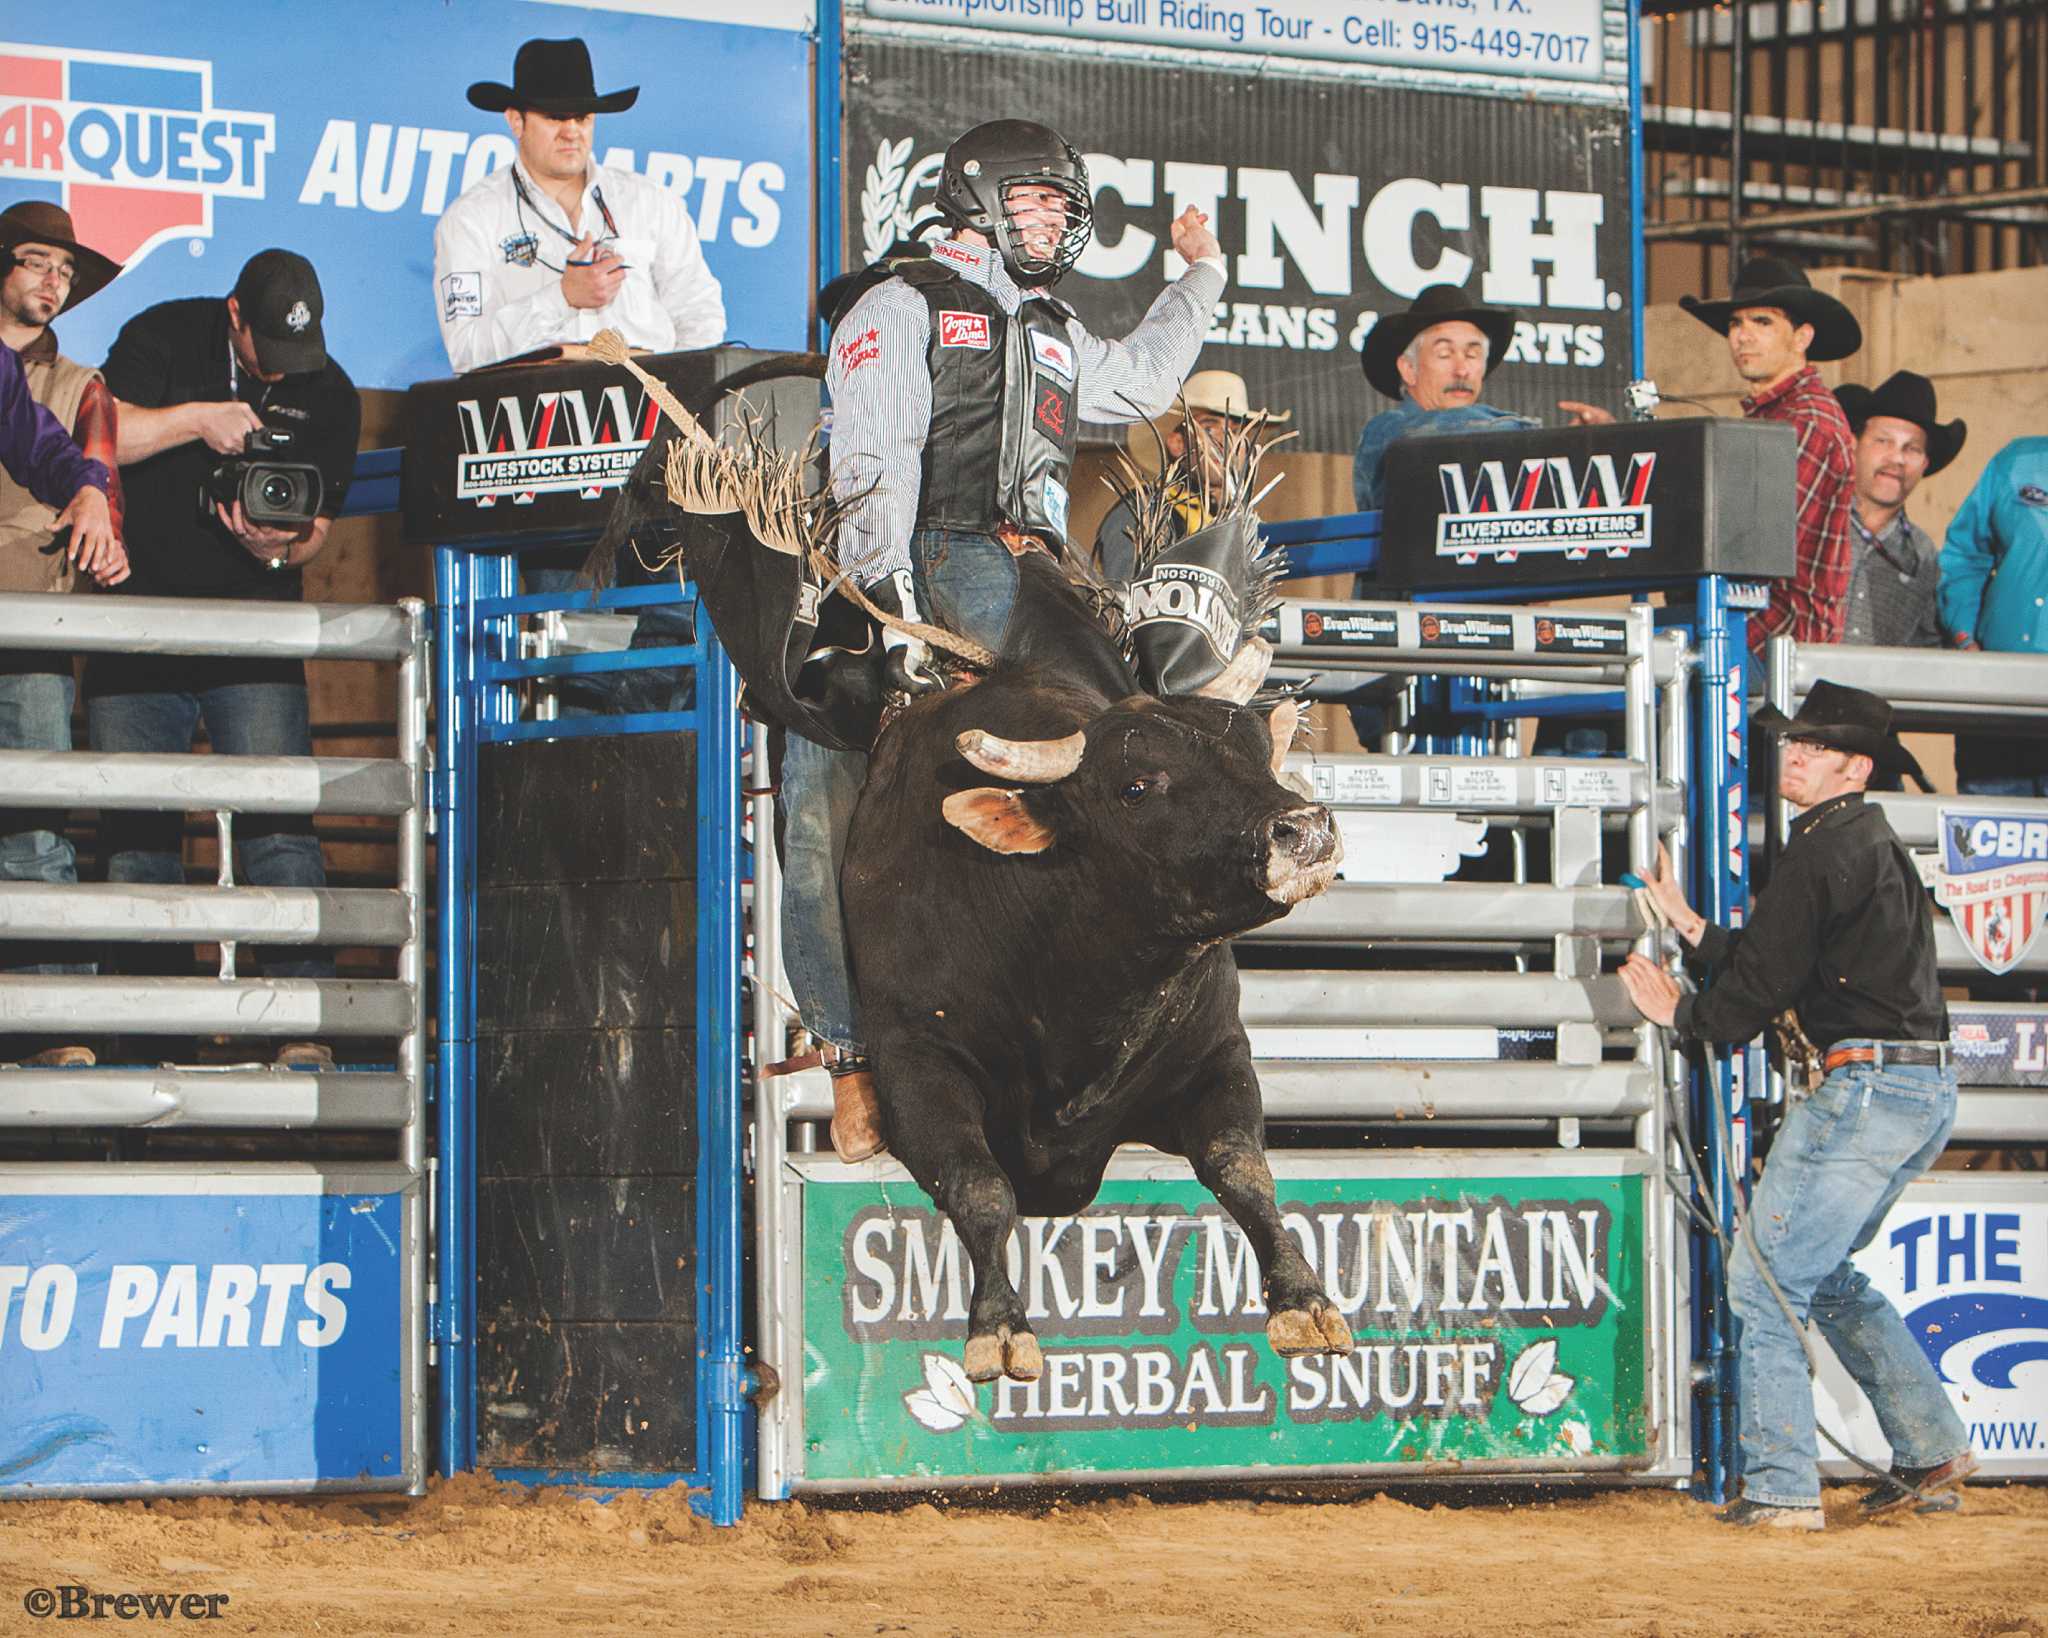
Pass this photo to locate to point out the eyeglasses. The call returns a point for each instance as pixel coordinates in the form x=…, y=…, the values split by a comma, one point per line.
x=1808, y=747
x=41, y=264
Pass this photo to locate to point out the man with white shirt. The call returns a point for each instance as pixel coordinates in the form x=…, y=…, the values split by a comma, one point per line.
x=958, y=383
x=553, y=248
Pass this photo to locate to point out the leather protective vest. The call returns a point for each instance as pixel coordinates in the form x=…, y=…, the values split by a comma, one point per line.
x=1001, y=444
x=25, y=522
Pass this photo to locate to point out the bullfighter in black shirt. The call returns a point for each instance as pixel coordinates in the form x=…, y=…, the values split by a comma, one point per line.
x=1844, y=936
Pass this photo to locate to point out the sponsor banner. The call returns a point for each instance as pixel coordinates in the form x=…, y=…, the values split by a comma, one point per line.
x=1992, y=874
x=1560, y=635
x=187, y=151
x=1467, y=630
x=1497, y=1319
x=1551, y=39
x=1965, y=1261
x=1350, y=628
x=1333, y=209
x=2000, y=1048
x=225, y=1339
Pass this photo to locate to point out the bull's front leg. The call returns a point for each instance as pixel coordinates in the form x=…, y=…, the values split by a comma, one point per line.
x=1223, y=1134
x=935, y=1130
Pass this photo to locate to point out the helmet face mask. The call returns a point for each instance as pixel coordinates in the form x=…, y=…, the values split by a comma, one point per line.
x=986, y=184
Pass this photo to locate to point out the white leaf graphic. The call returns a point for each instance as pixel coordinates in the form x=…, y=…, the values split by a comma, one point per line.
x=1548, y=1397
x=948, y=1384
x=924, y=174
x=1577, y=1435
x=930, y=1413
x=1531, y=1370
x=878, y=197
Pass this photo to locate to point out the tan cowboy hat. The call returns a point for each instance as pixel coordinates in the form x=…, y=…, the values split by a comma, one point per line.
x=1215, y=392
x=38, y=222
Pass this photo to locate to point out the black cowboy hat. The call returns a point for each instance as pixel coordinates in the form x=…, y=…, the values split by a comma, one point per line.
x=1905, y=397
x=38, y=222
x=1439, y=304
x=551, y=77
x=1844, y=719
x=1768, y=282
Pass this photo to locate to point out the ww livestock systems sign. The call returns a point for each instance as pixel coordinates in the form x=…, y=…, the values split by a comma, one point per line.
x=1498, y=1320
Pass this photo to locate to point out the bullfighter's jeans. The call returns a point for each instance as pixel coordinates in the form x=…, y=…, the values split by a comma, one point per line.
x=965, y=583
x=1842, y=1159
x=35, y=715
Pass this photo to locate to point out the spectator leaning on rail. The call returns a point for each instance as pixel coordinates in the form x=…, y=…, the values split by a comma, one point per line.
x=1213, y=408
x=55, y=488
x=1778, y=327
x=194, y=378
x=959, y=382
x=552, y=248
x=1994, y=594
x=1894, y=569
x=1843, y=935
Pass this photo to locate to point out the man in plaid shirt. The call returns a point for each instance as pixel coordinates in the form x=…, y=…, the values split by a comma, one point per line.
x=1778, y=327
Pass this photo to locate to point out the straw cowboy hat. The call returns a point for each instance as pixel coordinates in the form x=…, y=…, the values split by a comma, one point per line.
x=551, y=77
x=1768, y=282
x=1214, y=392
x=37, y=222
x=1387, y=340
x=1905, y=397
x=1844, y=719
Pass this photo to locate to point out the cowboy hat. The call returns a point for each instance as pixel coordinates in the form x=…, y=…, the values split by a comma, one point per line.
x=1844, y=719
x=1905, y=397
x=551, y=77
x=1768, y=282
x=1213, y=392
x=1439, y=304
x=38, y=222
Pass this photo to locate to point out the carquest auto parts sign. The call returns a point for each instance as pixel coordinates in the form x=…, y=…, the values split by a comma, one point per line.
x=1335, y=200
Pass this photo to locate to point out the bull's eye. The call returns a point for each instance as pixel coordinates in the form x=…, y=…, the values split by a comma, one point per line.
x=1142, y=786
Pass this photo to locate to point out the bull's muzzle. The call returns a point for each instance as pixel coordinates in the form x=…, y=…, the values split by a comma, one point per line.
x=1302, y=852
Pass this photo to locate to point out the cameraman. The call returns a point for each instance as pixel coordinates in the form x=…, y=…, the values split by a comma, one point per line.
x=193, y=379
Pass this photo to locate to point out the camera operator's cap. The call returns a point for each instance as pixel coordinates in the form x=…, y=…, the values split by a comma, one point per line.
x=279, y=294
x=551, y=77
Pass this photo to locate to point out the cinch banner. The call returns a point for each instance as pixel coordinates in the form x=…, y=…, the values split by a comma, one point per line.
x=342, y=132
x=229, y=1338
x=1497, y=1319
x=1335, y=202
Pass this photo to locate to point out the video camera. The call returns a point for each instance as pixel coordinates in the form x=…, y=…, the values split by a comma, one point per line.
x=276, y=493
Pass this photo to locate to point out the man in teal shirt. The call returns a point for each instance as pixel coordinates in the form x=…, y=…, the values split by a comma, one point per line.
x=1994, y=594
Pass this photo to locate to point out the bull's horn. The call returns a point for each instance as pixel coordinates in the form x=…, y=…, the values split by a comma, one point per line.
x=1027, y=761
x=1239, y=680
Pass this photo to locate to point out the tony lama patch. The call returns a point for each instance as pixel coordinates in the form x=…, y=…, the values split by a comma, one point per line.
x=964, y=330
x=462, y=295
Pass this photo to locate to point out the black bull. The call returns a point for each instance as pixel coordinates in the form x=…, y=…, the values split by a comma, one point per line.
x=1041, y=880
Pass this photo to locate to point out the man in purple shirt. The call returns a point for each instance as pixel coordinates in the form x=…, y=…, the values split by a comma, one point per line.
x=40, y=456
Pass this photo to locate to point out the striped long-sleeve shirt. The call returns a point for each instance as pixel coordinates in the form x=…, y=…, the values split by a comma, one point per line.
x=881, y=388
x=1813, y=605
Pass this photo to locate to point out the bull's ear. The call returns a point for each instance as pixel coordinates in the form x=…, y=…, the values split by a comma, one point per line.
x=1281, y=724
x=998, y=820
x=1239, y=680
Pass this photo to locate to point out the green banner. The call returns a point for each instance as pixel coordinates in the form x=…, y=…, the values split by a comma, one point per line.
x=1496, y=1318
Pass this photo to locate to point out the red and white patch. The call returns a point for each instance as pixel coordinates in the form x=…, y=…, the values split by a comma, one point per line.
x=864, y=348
x=1053, y=353
x=1051, y=412
x=964, y=330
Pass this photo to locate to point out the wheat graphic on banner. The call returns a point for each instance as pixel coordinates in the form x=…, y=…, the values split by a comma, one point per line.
x=1993, y=877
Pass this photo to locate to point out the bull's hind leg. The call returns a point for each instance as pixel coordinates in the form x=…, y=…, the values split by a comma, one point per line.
x=935, y=1129
x=1223, y=1135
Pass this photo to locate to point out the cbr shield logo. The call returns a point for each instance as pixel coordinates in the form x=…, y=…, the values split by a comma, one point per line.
x=1993, y=877
x=133, y=144
x=1551, y=506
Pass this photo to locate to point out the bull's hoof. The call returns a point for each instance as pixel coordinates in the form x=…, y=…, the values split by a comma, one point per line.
x=1316, y=1329
x=1004, y=1352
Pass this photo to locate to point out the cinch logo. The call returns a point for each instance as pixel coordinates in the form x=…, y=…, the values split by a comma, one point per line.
x=549, y=443
x=1550, y=507
x=133, y=145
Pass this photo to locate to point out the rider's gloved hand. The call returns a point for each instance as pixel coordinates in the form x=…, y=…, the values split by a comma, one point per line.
x=907, y=662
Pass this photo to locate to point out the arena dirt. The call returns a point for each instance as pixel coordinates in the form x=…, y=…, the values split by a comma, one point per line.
x=476, y=1558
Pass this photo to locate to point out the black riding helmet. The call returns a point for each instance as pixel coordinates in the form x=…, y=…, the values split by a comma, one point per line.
x=981, y=168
